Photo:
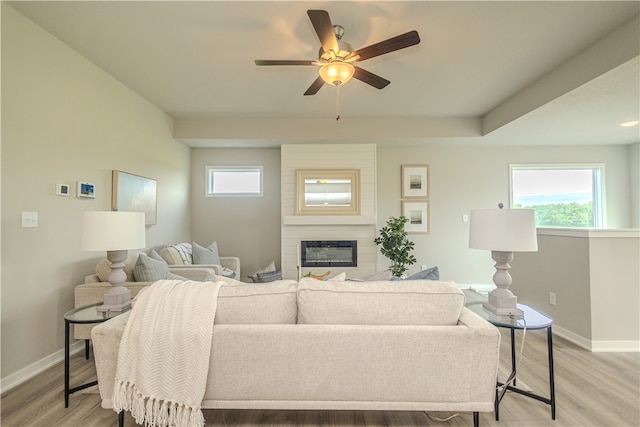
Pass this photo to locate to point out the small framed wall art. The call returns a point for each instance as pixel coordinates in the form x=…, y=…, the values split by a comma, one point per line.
x=415, y=181
x=418, y=214
x=134, y=193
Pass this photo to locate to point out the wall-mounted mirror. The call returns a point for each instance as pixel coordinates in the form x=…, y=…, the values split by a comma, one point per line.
x=327, y=192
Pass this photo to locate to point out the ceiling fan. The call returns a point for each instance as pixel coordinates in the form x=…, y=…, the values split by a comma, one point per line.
x=335, y=57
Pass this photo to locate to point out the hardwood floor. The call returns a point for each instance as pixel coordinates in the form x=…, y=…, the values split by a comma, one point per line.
x=592, y=389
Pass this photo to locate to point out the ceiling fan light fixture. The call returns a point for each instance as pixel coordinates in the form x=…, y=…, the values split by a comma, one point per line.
x=337, y=72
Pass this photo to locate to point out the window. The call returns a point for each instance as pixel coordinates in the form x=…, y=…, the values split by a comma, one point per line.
x=563, y=195
x=234, y=181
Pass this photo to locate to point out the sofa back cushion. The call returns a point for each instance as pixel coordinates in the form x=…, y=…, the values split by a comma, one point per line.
x=268, y=303
x=415, y=302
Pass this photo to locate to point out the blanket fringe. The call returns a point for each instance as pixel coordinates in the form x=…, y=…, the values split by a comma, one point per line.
x=154, y=412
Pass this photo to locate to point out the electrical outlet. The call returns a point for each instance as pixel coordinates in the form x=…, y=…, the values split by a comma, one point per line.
x=552, y=298
x=423, y=267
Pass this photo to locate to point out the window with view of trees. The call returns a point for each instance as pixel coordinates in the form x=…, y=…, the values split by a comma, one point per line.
x=561, y=195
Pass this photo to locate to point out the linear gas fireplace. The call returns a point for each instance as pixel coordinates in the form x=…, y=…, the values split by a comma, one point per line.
x=329, y=253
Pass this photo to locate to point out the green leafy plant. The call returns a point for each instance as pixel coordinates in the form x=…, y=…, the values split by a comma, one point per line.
x=396, y=245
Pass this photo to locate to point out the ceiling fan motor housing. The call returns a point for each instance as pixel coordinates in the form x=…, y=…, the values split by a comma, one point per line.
x=345, y=49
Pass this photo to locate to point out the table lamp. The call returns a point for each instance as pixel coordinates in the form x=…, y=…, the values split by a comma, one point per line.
x=503, y=232
x=115, y=233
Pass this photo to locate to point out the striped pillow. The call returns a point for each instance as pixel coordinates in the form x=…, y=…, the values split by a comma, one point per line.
x=149, y=270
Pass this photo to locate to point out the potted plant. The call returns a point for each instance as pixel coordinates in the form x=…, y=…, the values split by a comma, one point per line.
x=396, y=245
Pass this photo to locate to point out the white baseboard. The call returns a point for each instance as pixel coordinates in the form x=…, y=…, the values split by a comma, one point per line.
x=597, y=346
x=17, y=378
x=615, y=346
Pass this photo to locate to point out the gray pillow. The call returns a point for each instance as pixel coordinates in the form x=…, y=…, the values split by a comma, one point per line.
x=269, y=268
x=269, y=276
x=429, y=274
x=155, y=255
x=149, y=270
x=208, y=255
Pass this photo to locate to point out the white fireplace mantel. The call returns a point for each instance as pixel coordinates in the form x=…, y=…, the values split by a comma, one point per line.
x=328, y=220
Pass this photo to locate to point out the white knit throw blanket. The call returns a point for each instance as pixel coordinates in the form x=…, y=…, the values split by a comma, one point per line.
x=163, y=359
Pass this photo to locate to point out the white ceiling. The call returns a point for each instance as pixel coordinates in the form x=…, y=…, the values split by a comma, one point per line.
x=542, y=72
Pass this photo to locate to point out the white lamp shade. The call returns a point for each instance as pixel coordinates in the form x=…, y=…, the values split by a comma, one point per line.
x=507, y=230
x=112, y=231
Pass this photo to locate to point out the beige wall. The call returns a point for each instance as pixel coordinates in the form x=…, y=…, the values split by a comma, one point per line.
x=64, y=120
x=634, y=180
x=466, y=178
x=596, y=278
x=247, y=227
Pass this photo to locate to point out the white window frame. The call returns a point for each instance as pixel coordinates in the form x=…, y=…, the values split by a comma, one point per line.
x=598, y=185
x=210, y=176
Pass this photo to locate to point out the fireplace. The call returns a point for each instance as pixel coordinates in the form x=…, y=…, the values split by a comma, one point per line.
x=329, y=253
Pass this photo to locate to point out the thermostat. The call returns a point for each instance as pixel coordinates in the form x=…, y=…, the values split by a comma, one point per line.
x=86, y=190
x=62, y=189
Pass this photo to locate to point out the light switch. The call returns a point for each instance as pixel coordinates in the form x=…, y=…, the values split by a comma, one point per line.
x=29, y=219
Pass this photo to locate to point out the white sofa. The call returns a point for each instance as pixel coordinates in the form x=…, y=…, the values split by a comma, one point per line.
x=313, y=345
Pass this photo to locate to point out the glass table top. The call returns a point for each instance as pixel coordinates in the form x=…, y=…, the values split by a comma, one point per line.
x=531, y=318
x=89, y=314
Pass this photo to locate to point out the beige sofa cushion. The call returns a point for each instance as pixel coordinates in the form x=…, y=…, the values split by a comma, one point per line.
x=415, y=302
x=272, y=303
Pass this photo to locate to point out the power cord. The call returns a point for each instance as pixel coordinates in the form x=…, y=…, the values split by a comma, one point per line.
x=500, y=388
x=433, y=417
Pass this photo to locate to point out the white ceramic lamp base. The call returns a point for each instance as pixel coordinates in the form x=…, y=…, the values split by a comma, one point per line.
x=501, y=300
x=118, y=298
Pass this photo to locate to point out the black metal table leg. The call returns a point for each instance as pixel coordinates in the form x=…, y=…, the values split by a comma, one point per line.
x=86, y=349
x=552, y=387
x=513, y=354
x=66, y=364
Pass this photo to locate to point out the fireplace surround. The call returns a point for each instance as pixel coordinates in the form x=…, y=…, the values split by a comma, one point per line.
x=329, y=253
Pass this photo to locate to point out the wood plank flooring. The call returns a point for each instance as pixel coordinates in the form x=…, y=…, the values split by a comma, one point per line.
x=592, y=389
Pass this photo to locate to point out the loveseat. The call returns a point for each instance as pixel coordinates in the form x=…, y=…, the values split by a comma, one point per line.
x=181, y=255
x=328, y=345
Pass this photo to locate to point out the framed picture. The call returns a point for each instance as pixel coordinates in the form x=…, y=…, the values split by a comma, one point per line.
x=415, y=181
x=418, y=214
x=134, y=193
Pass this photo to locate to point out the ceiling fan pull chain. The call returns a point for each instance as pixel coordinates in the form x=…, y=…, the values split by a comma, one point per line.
x=337, y=103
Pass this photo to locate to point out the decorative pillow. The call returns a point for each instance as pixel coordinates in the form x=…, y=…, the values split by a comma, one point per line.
x=267, y=269
x=208, y=255
x=432, y=273
x=150, y=270
x=185, y=252
x=375, y=277
x=155, y=255
x=268, y=276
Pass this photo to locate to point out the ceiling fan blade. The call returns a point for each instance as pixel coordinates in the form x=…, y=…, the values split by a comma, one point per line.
x=370, y=78
x=395, y=43
x=324, y=28
x=284, y=62
x=315, y=86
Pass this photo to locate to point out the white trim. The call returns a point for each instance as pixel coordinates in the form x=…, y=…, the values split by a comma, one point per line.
x=615, y=346
x=28, y=372
x=211, y=170
x=603, y=346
